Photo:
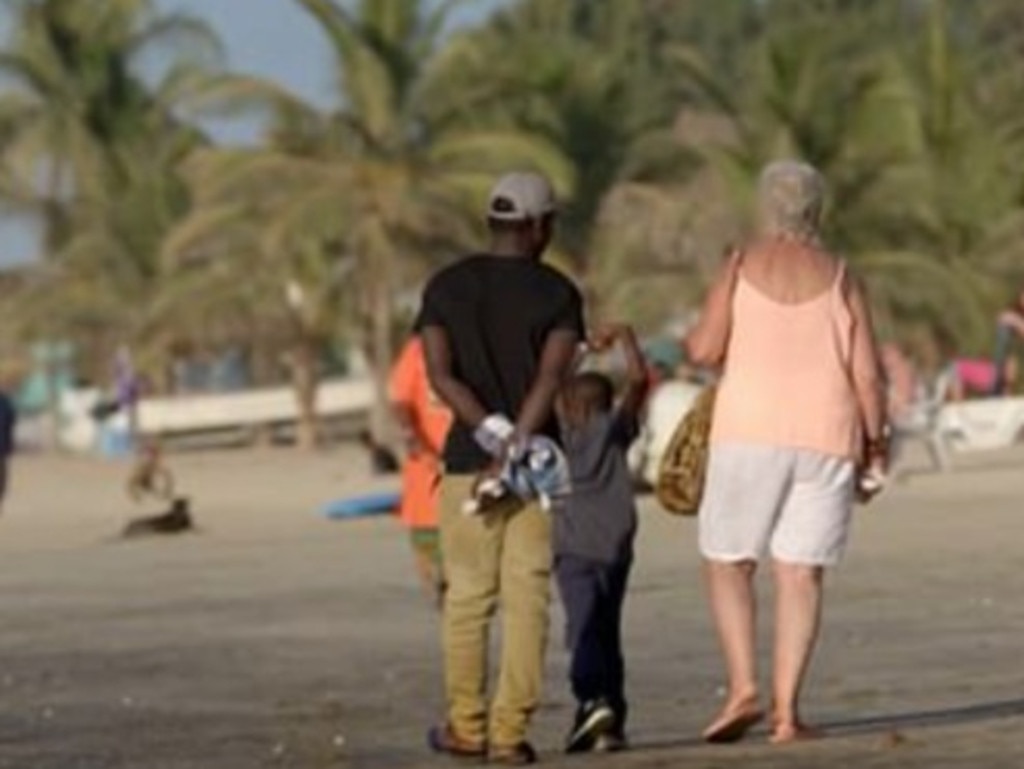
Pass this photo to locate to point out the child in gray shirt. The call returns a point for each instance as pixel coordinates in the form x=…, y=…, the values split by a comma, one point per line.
x=594, y=528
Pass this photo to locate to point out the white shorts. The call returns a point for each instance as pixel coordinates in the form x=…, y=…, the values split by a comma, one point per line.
x=796, y=502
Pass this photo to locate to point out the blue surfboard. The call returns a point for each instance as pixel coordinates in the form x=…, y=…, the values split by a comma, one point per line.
x=362, y=506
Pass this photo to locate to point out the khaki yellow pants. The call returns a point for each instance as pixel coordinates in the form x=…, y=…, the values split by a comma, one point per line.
x=502, y=558
x=426, y=549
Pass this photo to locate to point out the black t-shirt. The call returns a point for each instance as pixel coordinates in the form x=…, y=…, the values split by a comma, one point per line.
x=497, y=313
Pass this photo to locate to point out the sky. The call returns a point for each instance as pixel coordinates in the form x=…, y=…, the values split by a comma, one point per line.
x=277, y=40
x=274, y=39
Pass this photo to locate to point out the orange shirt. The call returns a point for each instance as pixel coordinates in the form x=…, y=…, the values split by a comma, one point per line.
x=410, y=387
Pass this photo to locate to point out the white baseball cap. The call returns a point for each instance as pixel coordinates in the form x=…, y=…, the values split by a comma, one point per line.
x=520, y=196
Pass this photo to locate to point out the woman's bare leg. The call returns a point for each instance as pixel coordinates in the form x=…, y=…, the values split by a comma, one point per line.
x=734, y=608
x=798, y=591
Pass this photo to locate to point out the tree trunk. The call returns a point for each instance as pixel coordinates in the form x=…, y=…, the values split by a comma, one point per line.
x=593, y=303
x=381, y=327
x=51, y=237
x=583, y=276
x=53, y=416
x=306, y=381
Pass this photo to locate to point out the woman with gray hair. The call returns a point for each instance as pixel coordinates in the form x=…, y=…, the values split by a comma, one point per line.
x=799, y=416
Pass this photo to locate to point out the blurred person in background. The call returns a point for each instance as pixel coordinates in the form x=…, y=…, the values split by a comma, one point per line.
x=8, y=421
x=423, y=421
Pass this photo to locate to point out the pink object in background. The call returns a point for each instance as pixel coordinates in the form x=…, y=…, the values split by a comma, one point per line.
x=976, y=374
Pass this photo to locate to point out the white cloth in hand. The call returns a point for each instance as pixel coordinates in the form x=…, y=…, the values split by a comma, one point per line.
x=494, y=434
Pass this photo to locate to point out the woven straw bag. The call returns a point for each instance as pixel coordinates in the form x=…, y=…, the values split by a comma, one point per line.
x=683, y=466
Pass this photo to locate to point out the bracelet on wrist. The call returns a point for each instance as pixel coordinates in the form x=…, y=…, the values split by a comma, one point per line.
x=877, y=445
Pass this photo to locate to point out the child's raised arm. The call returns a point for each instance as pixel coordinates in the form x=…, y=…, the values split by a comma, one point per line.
x=637, y=380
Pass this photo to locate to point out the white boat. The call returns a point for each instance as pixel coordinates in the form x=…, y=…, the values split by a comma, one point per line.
x=981, y=425
x=209, y=413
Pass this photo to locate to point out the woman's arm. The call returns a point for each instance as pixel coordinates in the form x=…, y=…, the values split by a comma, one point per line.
x=868, y=381
x=1012, y=320
x=707, y=341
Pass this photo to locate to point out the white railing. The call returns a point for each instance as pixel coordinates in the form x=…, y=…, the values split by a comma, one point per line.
x=185, y=415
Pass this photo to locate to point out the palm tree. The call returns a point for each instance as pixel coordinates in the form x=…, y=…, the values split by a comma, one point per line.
x=360, y=200
x=91, y=150
x=586, y=74
x=239, y=269
x=960, y=199
x=893, y=121
x=79, y=110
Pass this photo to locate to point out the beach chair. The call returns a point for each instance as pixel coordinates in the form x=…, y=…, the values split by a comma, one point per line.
x=985, y=424
x=923, y=423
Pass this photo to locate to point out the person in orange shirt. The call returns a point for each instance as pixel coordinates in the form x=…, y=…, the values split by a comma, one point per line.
x=423, y=420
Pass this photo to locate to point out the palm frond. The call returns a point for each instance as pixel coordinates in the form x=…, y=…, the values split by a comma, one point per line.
x=498, y=151
x=187, y=37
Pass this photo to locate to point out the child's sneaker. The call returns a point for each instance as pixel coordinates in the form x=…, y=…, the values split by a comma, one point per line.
x=594, y=719
x=611, y=742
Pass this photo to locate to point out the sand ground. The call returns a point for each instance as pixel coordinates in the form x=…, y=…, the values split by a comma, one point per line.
x=275, y=638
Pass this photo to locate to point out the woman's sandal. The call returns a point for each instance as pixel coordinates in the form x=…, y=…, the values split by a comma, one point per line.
x=725, y=731
x=794, y=733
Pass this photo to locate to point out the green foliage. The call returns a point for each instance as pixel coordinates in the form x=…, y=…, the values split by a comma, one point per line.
x=586, y=76
x=93, y=152
x=653, y=117
x=892, y=102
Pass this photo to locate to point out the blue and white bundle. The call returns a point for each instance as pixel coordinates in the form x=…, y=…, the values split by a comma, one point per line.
x=534, y=469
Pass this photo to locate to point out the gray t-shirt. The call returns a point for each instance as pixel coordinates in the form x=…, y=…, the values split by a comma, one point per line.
x=598, y=519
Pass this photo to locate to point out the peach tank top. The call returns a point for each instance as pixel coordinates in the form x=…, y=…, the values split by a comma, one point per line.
x=787, y=379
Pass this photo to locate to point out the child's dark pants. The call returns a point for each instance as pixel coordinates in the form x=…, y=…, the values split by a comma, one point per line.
x=593, y=594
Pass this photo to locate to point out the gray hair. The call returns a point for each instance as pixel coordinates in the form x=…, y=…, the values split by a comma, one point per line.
x=791, y=196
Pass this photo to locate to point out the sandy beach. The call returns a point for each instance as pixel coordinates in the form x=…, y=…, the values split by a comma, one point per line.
x=276, y=638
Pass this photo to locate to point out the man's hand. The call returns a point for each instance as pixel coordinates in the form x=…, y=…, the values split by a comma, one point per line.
x=494, y=434
x=487, y=490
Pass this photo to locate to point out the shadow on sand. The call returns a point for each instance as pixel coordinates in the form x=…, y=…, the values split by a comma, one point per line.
x=416, y=758
x=881, y=724
x=966, y=714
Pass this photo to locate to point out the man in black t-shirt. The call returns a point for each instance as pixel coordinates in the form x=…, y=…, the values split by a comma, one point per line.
x=500, y=330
